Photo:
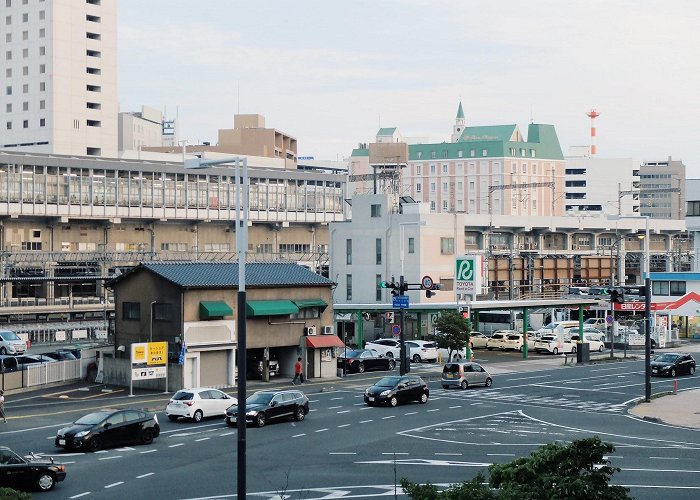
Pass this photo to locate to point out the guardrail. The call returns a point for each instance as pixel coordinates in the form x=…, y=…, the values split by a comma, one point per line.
x=47, y=373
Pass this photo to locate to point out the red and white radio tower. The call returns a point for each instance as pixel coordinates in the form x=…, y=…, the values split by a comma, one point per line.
x=593, y=114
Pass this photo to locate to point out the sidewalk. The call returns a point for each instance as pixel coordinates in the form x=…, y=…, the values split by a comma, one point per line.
x=681, y=409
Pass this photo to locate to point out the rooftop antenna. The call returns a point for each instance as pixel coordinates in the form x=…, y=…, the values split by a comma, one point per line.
x=532, y=120
x=238, y=97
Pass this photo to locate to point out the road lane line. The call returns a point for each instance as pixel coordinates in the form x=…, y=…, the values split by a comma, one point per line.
x=114, y=484
x=343, y=453
x=449, y=454
x=334, y=407
x=390, y=416
x=298, y=435
x=435, y=409
x=126, y=448
x=528, y=378
x=344, y=411
x=666, y=458
x=335, y=399
x=110, y=458
x=176, y=445
x=201, y=439
x=411, y=413
x=395, y=453
x=366, y=408
x=145, y=475
x=366, y=421
x=321, y=430
x=344, y=425
x=80, y=495
x=149, y=451
x=227, y=433
x=453, y=407
x=500, y=454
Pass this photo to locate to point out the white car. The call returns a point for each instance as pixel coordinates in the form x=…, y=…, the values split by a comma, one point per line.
x=554, y=345
x=500, y=340
x=422, y=350
x=478, y=340
x=10, y=343
x=198, y=403
x=389, y=348
x=589, y=332
x=456, y=354
x=593, y=343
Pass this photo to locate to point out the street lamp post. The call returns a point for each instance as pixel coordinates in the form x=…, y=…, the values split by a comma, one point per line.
x=151, y=313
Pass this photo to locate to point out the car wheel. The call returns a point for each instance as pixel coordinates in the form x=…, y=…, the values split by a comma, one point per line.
x=392, y=364
x=46, y=481
x=423, y=398
x=393, y=401
x=600, y=349
x=520, y=349
x=230, y=422
x=389, y=354
x=691, y=371
x=488, y=382
x=299, y=414
x=95, y=444
x=463, y=385
x=490, y=348
x=172, y=418
x=361, y=368
x=573, y=350
x=3, y=351
x=198, y=415
x=416, y=358
x=555, y=351
x=672, y=372
x=260, y=420
x=147, y=436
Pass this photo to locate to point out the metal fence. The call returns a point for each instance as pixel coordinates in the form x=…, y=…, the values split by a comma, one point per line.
x=47, y=373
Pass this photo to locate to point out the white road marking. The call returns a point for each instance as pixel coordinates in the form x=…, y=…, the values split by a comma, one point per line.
x=126, y=448
x=666, y=458
x=343, y=453
x=411, y=413
x=434, y=409
x=344, y=425
x=453, y=407
x=366, y=408
x=110, y=458
x=201, y=439
x=449, y=454
x=500, y=454
x=395, y=453
x=80, y=495
x=390, y=416
x=344, y=411
x=101, y=451
x=366, y=421
x=114, y=484
x=321, y=430
x=227, y=433
x=334, y=407
x=149, y=451
x=354, y=404
x=198, y=431
x=298, y=435
x=335, y=399
x=528, y=378
x=176, y=445
x=145, y=475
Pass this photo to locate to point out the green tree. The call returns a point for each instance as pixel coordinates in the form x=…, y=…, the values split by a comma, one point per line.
x=452, y=332
x=10, y=494
x=574, y=471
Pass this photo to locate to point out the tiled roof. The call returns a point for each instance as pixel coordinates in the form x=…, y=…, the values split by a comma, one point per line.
x=225, y=274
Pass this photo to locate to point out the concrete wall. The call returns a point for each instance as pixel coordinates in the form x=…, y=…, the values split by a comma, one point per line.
x=117, y=371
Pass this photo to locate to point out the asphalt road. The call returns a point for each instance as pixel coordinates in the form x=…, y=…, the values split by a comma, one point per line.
x=344, y=448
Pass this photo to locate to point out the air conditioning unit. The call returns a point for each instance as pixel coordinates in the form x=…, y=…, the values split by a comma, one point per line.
x=310, y=330
x=327, y=330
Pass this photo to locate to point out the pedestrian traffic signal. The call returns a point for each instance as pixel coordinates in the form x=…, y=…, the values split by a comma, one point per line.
x=389, y=316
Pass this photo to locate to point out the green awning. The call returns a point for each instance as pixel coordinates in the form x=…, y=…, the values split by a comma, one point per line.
x=214, y=309
x=304, y=303
x=270, y=308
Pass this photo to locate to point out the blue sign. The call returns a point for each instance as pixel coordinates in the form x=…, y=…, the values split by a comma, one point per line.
x=400, y=302
x=396, y=331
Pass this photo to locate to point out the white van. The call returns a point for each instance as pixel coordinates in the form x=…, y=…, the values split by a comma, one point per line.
x=11, y=343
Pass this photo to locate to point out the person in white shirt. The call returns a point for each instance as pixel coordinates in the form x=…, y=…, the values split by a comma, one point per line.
x=2, y=407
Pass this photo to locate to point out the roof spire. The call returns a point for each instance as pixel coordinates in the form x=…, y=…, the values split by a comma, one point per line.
x=460, y=111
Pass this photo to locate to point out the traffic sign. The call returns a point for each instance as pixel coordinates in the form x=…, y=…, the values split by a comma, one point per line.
x=400, y=302
x=396, y=330
x=609, y=319
x=426, y=282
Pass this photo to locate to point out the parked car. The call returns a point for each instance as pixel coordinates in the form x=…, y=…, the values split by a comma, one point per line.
x=32, y=359
x=390, y=348
x=478, y=340
x=672, y=364
x=362, y=360
x=555, y=344
x=463, y=375
x=10, y=343
x=504, y=339
x=557, y=327
x=593, y=343
x=422, y=350
x=61, y=355
x=255, y=367
x=198, y=403
x=109, y=427
x=264, y=406
x=396, y=389
x=514, y=341
x=21, y=473
x=598, y=323
x=8, y=363
x=456, y=354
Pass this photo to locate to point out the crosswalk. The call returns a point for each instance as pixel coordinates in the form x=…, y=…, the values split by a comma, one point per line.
x=482, y=396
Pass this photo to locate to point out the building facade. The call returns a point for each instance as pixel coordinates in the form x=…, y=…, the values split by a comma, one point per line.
x=59, y=63
x=662, y=189
x=146, y=128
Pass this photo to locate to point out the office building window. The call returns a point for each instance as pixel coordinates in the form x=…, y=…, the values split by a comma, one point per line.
x=25, y=35
x=25, y=106
x=432, y=187
x=131, y=311
x=444, y=187
x=444, y=204
x=25, y=88
x=8, y=125
x=42, y=15
x=42, y=122
x=8, y=107
x=411, y=245
x=93, y=36
x=432, y=205
x=8, y=90
x=8, y=37
x=8, y=72
x=418, y=187
x=42, y=104
x=677, y=288
x=444, y=168
x=25, y=53
x=92, y=19
x=94, y=123
x=348, y=287
x=25, y=17
x=93, y=53
x=25, y=70
x=42, y=33
x=42, y=68
x=378, y=250
x=42, y=86
x=25, y=124
x=348, y=252
x=93, y=71
x=447, y=246
x=8, y=55
x=376, y=210
x=378, y=295
x=42, y=51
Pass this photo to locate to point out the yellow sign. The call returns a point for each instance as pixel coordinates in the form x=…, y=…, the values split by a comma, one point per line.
x=138, y=353
x=157, y=353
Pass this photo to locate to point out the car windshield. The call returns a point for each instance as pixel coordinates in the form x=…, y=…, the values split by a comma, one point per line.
x=451, y=368
x=260, y=398
x=388, y=381
x=667, y=358
x=351, y=354
x=183, y=396
x=10, y=336
x=93, y=418
x=547, y=339
x=429, y=345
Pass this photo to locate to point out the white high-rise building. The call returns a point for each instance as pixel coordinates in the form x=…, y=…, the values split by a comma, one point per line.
x=59, y=62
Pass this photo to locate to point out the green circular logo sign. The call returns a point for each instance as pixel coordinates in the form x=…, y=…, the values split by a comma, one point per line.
x=465, y=270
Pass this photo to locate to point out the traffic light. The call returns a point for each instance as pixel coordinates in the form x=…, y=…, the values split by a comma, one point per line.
x=617, y=295
x=390, y=284
x=389, y=316
x=429, y=292
x=403, y=288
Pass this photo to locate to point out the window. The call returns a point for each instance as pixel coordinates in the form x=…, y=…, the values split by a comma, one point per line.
x=677, y=288
x=93, y=2
x=432, y=187
x=93, y=53
x=348, y=287
x=31, y=245
x=25, y=106
x=25, y=17
x=433, y=154
x=444, y=205
x=42, y=33
x=418, y=187
x=42, y=68
x=92, y=19
x=472, y=152
x=444, y=168
x=25, y=88
x=25, y=35
x=8, y=125
x=94, y=105
x=8, y=90
x=417, y=169
x=378, y=250
x=8, y=37
x=447, y=246
x=411, y=245
x=42, y=15
x=376, y=210
x=25, y=70
x=162, y=312
x=25, y=124
x=93, y=71
x=131, y=311
x=484, y=152
x=460, y=153
x=42, y=122
x=659, y=288
x=42, y=104
x=8, y=55
x=348, y=252
x=94, y=123
x=93, y=36
x=444, y=187
x=432, y=205
x=8, y=108
x=378, y=295
x=419, y=155
x=8, y=72
x=93, y=88
x=25, y=53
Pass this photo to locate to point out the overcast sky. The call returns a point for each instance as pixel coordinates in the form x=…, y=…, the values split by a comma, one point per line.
x=331, y=72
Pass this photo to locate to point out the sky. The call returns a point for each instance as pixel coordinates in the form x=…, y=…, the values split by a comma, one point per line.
x=330, y=72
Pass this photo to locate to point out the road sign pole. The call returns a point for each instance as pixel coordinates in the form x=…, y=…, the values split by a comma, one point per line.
x=403, y=364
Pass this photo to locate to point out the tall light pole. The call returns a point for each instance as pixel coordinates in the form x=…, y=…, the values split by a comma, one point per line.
x=242, y=203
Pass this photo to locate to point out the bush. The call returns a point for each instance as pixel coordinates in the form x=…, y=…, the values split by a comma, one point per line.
x=10, y=494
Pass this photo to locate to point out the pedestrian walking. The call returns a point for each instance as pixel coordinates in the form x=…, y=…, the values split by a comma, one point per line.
x=2, y=407
x=298, y=372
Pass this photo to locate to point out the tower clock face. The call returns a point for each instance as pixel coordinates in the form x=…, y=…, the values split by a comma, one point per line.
x=458, y=129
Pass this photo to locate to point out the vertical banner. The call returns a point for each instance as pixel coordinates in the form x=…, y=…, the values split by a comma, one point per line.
x=468, y=275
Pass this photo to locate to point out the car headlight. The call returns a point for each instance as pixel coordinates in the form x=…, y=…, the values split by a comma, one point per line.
x=385, y=393
x=366, y=392
x=82, y=434
x=251, y=413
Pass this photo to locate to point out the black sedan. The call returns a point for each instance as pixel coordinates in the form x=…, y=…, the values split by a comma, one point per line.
x=109, y=428
x=672, y=364
x=394, y=390
x=271, y=405
x=22, y=473
x=361, y=360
